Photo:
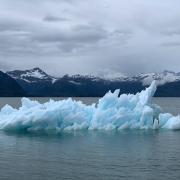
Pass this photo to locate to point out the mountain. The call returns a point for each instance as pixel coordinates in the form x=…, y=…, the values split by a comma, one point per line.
x=38, y=83
x=145, y=78
x=90, y=86
x=9, y=87
x=33, y=81
x=161, y=78
x=31, y=76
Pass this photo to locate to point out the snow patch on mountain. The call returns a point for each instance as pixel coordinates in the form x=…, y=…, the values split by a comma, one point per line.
x=107, y=74
x=161, y=78
x=36, y=75
x=74, y=82
x=32, y=75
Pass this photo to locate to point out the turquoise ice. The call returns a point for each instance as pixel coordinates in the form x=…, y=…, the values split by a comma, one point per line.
x=112, y=112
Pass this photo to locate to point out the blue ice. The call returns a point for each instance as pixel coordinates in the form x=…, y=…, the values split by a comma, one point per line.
x=112, y=112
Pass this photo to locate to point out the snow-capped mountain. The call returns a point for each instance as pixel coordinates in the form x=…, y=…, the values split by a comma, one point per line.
x=36, y=75
x=31, y=76
x=145, y=78
x=38, y=83
x=109, y=75
x=161, y=78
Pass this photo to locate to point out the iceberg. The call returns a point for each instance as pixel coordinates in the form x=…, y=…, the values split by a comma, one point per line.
x=112, y=112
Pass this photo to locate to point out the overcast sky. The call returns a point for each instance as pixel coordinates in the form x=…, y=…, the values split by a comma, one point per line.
x=88, y=36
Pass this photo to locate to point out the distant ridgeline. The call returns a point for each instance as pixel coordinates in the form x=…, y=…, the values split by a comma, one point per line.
x=9, y=87
x=35, y=82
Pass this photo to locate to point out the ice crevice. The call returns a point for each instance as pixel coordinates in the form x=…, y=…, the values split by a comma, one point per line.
x=112, y=112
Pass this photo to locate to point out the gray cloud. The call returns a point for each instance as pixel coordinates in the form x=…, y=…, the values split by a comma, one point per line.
x=85, y=36
x=172, y=32
x=7, y=24
x=51, y=18
x=171, y=44
x=79, y=34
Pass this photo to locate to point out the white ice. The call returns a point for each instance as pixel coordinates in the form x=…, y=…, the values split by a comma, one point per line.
x=112, y=112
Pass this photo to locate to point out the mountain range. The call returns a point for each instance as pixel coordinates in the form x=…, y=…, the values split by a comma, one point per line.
x=36, y=82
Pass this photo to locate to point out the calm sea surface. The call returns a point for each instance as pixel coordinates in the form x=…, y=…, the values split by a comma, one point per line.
x=135, y=154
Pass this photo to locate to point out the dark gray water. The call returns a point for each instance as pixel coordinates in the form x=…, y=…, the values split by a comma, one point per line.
x=92, y=155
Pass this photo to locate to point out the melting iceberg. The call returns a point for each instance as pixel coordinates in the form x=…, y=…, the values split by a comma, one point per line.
x=112, y=112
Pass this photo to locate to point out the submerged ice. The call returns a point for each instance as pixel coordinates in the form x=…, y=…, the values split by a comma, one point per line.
x=112, y=112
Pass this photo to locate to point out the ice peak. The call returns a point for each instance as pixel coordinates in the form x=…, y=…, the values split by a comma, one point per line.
x=113, y=112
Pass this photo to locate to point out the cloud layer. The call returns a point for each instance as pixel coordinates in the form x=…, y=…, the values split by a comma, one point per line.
x=66, y=36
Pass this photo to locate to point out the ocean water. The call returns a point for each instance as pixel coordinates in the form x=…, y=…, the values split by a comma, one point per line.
x=86, y=155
